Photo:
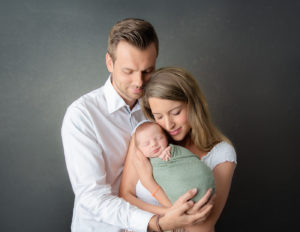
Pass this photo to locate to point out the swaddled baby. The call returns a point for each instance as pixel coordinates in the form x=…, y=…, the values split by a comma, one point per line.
x=175, y=169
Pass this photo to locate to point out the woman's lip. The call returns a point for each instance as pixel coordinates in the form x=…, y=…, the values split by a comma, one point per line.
x=174, y=132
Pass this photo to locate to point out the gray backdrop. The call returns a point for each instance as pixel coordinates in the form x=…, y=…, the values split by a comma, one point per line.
x=245, y=55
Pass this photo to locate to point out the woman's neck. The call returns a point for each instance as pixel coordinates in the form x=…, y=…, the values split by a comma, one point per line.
x=188, y=144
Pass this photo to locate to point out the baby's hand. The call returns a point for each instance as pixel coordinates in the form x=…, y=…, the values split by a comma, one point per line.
x=166, y=154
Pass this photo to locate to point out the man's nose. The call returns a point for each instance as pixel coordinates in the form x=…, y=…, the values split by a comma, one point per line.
x=138, y=79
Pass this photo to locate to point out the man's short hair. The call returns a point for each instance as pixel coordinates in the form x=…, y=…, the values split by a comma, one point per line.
x=136, y=32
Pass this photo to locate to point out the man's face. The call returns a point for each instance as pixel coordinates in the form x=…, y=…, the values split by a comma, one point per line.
x=131, y=70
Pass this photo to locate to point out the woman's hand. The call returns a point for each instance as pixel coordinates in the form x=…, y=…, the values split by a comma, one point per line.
x=142, y=165
x=176, y=216
x=203, y=206
x=223, y=174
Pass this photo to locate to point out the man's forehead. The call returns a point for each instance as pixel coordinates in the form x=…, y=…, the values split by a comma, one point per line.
x=125, y=50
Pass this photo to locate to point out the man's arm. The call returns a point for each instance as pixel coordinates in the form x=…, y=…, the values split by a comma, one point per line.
x=87, y=172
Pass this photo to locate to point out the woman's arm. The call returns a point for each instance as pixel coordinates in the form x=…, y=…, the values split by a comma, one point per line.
x=129, y=179
x=223, y=174
x=158, y=193
x=144, y=169
x=174, y=216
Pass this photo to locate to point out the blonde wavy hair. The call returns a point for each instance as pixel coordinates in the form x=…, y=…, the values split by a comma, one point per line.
x=177, y=84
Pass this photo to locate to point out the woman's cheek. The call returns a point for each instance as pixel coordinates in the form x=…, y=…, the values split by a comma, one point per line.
x=159, y=122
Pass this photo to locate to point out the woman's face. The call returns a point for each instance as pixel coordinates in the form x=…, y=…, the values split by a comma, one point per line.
x=172, y=116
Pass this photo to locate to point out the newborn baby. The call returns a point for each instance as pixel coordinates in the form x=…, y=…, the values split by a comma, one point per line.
x=175, y=169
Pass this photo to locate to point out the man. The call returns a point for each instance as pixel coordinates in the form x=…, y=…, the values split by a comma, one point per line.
x=96, y=133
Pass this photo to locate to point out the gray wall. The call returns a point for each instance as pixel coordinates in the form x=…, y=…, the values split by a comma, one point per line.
x=245, y=56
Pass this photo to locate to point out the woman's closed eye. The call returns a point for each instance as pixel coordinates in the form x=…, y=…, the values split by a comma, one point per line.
x=157, y=117
x=177, y=112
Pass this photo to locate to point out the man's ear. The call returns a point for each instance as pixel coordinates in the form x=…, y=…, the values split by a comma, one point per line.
x=109, y=63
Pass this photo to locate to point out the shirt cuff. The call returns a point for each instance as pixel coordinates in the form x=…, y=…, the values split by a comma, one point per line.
x=141, y=220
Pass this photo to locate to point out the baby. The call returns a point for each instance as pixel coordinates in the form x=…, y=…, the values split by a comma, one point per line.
x=175, y=169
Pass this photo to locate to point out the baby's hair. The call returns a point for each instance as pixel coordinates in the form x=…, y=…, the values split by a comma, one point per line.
x=143, y=126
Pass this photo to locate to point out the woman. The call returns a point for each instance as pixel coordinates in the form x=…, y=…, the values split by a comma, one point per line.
x=173, y=99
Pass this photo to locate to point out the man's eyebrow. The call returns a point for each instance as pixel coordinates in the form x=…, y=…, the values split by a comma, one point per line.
x=151, y=67
x=127, y=68
x=132, y=69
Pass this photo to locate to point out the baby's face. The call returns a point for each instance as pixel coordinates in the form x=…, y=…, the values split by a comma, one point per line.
x=152, y=141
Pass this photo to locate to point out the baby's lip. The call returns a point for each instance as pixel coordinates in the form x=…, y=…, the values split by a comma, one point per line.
x=156, y=150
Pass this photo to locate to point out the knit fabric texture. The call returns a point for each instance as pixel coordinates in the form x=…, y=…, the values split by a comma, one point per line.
x=182, y=172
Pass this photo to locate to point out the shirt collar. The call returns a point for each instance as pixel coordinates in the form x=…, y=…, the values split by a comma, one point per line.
x=114, y=100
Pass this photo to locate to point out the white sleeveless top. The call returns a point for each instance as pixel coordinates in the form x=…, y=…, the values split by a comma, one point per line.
x=220, y=153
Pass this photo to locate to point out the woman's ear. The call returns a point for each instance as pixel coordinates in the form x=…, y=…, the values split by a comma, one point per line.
x=109, y=63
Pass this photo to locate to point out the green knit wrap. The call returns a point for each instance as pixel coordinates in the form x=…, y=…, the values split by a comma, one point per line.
x=182, y=172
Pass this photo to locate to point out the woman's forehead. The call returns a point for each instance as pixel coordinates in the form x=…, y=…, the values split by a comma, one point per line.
x=159, y=105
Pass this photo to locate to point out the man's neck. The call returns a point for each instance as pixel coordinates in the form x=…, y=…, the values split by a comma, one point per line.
x=131, y=105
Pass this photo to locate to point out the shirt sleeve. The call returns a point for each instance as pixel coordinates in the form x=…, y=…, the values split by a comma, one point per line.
x=87, y=172
x=222, y=152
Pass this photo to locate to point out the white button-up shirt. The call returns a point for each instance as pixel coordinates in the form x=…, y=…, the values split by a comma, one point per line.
x=96, y=133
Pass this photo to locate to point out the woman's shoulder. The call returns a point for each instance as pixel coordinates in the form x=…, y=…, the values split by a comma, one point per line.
x=223, y=147
x=220, y=153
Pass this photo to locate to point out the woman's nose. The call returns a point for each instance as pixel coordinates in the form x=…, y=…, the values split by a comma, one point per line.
x=169, y=124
